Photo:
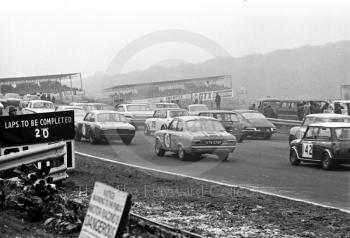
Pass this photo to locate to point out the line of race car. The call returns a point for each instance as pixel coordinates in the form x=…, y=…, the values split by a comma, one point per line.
x=322, y=138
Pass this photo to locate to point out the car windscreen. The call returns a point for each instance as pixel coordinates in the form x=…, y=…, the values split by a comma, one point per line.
x=226, y=116
x=343, y=133
x=198, y=108
x=12, y=95
x=178, y=113
x=133, y=108
x=253, y=115
x=46, y=105
x=204, y=125
x=111, y=117
x=274, y=104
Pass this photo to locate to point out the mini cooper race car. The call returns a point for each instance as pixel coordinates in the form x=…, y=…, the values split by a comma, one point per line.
x=327, y=143
x=104, y=125
x=161, y=119
x=195, y=135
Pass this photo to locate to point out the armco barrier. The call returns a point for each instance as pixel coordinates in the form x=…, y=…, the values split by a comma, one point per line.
x=37, y=155
x=282, y=122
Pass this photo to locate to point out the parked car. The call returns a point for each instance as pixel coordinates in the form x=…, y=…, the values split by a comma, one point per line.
x=229, y=120
x=297, y=132
x=256, y=124
x=159, y=105
x=326, y=143
x=12, y=99
x=194, y=109
x=79, y=112
x=194, y=135
x=38, y=106
x=161, y=119
x=137, y=113
x=104, y=125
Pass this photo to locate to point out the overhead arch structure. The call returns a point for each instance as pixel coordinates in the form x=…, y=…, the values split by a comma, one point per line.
x=163, y=36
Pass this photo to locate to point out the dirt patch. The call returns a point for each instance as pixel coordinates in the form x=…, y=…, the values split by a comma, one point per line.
x=199, y=207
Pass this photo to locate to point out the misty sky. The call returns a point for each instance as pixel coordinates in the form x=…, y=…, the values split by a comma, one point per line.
x=63, y=36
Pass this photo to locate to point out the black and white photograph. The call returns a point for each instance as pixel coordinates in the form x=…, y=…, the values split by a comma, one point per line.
x=174, y=119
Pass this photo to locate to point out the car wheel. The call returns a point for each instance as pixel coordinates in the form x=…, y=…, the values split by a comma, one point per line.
x=92, y=138
x=293, y=158
x=127, y=140
x=77, y=136
x=158, y=148
x=326, y=162
x=146, y=131
x=223, y=156
x=181, y=153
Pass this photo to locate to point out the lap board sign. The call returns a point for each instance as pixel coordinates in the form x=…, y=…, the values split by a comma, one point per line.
x=29, y=131
x=107, y=213
x=36, y=128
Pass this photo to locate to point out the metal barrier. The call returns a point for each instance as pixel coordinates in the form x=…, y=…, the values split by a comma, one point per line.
x=282, y=122
x=47, y=154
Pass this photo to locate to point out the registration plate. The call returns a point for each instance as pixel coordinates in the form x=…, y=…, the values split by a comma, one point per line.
x=213, y=142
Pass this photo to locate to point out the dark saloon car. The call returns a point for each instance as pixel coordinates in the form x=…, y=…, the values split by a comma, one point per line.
x=255, y=124
x=105, y=125
x=229, y=120
x=327, y=143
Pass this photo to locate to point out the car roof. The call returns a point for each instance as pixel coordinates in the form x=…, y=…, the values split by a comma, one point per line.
x=197, y=105
x=170, y=109
x=104, y=111
x=341, y=101
x=245, y=110
x=191, y=118
x=166, y=103
x=128, y=104
x=328, y=115
x=34, y=101
x=331, y=124
x=69, y=107
x=217, y=111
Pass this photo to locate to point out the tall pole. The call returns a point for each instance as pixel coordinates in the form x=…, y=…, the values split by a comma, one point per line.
x=71, y=86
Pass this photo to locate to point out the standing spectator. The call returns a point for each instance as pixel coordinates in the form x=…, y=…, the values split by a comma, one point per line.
x=317, y=108
x=325, y=107
x=268, y=112
x=12, y=111
x=53, y=99
x=1, y=109
x=217, y=101
x=338, y=108
x=312, y=107
x=300, y=111
x=48, y=97
x=43, y=97
x=306, y=109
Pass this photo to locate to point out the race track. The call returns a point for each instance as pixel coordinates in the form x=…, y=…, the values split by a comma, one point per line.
x=259, y=164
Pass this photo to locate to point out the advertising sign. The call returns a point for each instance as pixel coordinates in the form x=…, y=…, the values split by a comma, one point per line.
x=107, y=213
x=36, y=128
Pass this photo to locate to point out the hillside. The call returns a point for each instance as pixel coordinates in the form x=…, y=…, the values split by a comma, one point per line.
x=308, y=71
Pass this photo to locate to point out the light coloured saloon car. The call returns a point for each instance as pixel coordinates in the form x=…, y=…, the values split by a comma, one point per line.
x=162, y=118
x=38, y=106
x=195, y=135
x=103, y=125
x=297, y=132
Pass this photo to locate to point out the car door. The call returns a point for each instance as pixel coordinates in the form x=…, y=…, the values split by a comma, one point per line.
x=307, y=143
x=169, y=136
x=153, y=121
x=86, y=125
x=161, y=119
x=323, y=141
x=178, y=134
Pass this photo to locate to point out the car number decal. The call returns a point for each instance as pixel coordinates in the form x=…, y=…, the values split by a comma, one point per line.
x=153, y=124
x=307, y=150
x=167, y=140
x=83, y=130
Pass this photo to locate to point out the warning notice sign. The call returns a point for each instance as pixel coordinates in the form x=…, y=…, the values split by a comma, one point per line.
x=104, y=213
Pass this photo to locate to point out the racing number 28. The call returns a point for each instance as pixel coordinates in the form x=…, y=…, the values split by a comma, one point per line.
x=43, y=133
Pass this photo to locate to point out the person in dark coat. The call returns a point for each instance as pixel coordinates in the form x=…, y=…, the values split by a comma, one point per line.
x=338, y=108
x=325, y=107
x=300, y=111
x=217, y=101
x=268, y=112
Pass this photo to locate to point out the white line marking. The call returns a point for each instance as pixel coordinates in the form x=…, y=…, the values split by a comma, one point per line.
x=212, y=181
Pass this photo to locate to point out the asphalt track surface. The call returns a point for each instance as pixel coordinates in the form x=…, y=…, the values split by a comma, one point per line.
x=257, y=164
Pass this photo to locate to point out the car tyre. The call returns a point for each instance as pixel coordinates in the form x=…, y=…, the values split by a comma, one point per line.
x=293, y=158
x=77, y=135
x=223, y=156
x=158, y=148
x=327, y=162
x=92, y=138
x=182, y=153
x=127, y=140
